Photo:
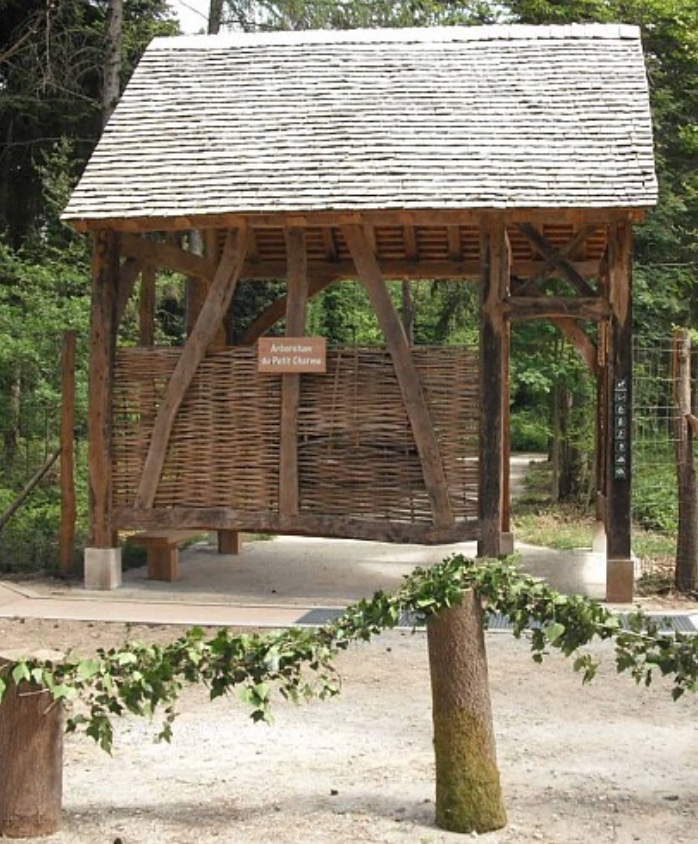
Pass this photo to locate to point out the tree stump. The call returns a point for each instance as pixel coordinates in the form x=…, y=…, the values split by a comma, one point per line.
x=468, y=791
x=31, y=756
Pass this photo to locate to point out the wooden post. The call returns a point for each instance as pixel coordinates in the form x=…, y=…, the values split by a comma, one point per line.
x=408, y=378
x=507, y=538
x=296, y=311
x=31, y=754
x=686, y=572
x=468, y=790
x=495, y=284
x=619, y=563
x=105, y=277
x=146, y=309
x=68, y=500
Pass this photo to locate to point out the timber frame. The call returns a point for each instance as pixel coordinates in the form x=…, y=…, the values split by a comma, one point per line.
x=515, y=158
x=513, y=259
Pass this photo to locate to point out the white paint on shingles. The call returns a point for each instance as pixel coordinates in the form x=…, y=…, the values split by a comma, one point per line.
x=497, y=117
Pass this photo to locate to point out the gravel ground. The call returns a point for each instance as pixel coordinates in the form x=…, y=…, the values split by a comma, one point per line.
x=580, y=765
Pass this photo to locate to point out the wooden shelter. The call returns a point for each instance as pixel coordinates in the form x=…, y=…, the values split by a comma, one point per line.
x=513, y=157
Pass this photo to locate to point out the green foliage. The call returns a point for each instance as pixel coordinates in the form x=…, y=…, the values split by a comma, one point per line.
x=298, y=664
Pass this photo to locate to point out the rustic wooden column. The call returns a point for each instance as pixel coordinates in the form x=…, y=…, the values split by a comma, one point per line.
x=507, y=538
x=296, y=310
x=68, y=500
x=407, y=376
x=31, y=757
x=619, y=563
x=105, y=277
x=207, y=325
x=493, y=349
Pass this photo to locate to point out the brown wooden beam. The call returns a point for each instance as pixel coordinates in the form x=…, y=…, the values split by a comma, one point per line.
x=68, y=496
x=431, y=217
x=296, y=310
x=555, y=257
x=203, y=334
x=129, y=271
x=495, y=283
x=406, y=372
x=551, y=307
x=167, y=256
x=102, y=349
x=566, y=251
x=303, y=524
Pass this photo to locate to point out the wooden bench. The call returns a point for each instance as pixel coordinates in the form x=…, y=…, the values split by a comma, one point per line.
x=162, y=547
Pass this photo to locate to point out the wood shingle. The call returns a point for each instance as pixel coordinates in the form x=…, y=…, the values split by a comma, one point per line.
x=499, y=117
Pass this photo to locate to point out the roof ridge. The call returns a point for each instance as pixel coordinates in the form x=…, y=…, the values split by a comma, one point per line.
x=426, y=35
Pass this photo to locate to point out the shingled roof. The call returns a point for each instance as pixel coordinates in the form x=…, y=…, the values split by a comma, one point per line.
x=481, y=117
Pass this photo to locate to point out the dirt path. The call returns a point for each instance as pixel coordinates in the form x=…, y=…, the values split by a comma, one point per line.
x=606, y=763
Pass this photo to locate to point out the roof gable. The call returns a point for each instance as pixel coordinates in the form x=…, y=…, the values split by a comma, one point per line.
x=481, y=117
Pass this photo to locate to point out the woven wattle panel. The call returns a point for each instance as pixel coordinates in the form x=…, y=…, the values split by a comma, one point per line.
x=357, y=455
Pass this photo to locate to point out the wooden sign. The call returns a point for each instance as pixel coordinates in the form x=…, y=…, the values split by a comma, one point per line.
x=292, y=354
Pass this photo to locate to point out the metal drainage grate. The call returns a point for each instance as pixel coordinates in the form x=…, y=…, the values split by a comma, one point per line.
x=325, y=615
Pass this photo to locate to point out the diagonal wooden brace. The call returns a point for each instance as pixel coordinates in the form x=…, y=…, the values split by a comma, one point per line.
x=214, y=308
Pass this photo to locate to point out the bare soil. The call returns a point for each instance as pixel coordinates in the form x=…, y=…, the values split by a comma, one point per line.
x=608, y=762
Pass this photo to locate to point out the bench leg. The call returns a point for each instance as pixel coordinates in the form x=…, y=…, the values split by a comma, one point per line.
x=229, y=542
x=163, y=562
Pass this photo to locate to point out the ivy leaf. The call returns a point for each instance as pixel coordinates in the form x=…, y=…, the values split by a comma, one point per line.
x=20, y=672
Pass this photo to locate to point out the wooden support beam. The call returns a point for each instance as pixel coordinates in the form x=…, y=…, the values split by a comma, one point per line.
x=554, y=256
x=146, y=308
x=619, y=585
x=128, y=273
x=304, y=524
x=406, y=372
x=68, y=495
x=167, y=256
x=553, y=307
x=411, y=247
x=567, y=251
x=330, y=242
x=495, y=285
x=203, y=333
x=296, y=311
x=455, y=247
x=574, y=333
x=428, y=217
x=102, y=349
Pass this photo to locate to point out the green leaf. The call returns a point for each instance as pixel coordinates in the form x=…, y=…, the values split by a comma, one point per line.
x=20, y=672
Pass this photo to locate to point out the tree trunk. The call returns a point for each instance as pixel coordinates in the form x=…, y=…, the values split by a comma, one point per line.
x=468, y=791
x=31, y=770
x=215, y=15
x=112, y=58
x=686, y=572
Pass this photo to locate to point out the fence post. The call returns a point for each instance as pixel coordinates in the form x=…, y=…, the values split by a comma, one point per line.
x=686, y=572
x=68, y=505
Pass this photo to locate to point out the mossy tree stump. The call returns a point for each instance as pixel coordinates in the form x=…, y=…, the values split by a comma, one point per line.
x=468, y=790
x=31, y=755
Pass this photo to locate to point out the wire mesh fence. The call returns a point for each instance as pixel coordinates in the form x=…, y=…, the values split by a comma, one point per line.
x=655, y=499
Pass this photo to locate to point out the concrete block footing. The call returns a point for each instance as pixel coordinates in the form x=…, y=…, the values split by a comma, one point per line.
x=506, y=544
x=620, y=581
x=102, y=568
x=598, y=542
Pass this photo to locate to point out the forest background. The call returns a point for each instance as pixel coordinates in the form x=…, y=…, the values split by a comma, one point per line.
x=62, y=65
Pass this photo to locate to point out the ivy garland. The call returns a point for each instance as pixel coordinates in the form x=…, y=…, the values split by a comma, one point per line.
x=298, y=663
